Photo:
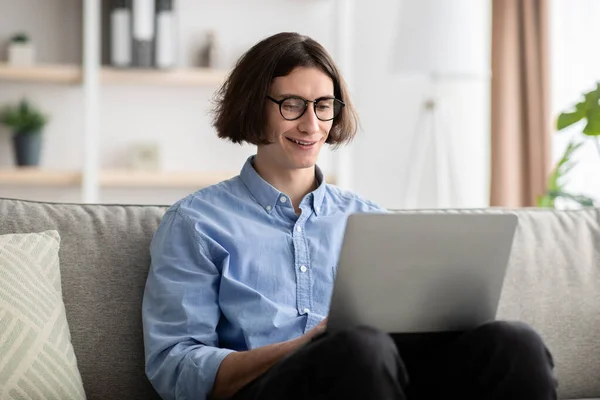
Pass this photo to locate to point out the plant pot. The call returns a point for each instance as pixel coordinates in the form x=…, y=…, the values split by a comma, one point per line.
x=28, y=147
x=21, y=54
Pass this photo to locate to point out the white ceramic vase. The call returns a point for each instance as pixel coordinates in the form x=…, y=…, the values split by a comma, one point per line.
x=21, y=54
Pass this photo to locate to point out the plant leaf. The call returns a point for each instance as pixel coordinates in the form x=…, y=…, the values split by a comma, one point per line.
x=545, y=201
x=579, y=199
x=592, y=127
x=563, y=166
x=23, y=118
x=567, y=119
x=588, y=109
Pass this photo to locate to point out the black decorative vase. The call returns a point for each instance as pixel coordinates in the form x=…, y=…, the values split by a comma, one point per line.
x=28, y=147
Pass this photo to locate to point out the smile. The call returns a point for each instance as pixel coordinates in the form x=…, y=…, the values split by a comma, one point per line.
x=301, y=142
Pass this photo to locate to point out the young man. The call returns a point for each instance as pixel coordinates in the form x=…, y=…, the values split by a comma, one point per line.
x=242, y=272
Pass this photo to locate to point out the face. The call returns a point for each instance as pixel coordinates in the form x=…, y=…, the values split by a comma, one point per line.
x=296, y=144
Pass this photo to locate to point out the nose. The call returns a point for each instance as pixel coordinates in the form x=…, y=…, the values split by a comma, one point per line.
x=309, y=123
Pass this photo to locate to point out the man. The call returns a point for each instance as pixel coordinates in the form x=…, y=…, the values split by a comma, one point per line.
x=242, y=272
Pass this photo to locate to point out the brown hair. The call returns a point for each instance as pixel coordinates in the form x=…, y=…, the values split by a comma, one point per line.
x=239, y=113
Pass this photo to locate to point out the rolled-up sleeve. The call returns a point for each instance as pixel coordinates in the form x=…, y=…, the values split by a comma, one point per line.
x=180, y=312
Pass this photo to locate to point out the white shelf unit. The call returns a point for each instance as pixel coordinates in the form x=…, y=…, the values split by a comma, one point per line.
x=92, y=76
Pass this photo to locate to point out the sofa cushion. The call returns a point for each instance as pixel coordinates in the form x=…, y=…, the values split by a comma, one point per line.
x=104, y=260
x=37, y=356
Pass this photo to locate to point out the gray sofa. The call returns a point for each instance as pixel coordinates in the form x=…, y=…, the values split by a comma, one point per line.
x=553, y=283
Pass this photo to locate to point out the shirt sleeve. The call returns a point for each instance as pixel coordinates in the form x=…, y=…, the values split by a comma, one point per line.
x=180, y=312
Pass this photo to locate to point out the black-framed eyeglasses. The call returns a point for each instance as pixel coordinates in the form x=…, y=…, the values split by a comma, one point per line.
x=293, y=107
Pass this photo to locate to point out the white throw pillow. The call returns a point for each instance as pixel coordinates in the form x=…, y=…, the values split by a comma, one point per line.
x=36, y=356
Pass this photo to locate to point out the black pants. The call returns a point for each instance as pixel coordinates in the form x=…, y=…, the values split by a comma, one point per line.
x=498, y=360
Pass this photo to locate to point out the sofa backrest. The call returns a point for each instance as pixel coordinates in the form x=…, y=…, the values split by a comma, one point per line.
x=552, y=283
x=104, y=262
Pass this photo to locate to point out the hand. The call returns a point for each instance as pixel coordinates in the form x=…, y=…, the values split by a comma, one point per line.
x=316, y=331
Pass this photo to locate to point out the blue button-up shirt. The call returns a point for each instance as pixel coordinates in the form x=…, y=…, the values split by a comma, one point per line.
x=235, y=268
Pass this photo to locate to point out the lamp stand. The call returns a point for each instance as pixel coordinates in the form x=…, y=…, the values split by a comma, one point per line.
x=433, y=141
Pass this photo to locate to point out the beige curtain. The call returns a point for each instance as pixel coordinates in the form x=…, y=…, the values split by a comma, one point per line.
x=520, y=116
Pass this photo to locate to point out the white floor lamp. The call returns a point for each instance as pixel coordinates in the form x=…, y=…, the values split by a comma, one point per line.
x=443, y=41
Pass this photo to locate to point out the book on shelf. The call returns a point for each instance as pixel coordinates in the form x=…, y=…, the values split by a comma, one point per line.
x=120, y=33
x=165, y=34
x=142, y=33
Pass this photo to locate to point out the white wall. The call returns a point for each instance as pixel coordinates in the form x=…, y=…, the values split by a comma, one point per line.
x=177, y=118
x=575, y=69
x=390, y=103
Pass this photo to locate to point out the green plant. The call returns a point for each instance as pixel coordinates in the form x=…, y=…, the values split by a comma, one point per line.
x=20, y=38
x=557, y=181
x=587, y=109
x=23, y=118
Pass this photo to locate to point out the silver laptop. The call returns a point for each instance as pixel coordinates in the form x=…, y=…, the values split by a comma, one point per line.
x=421, y=272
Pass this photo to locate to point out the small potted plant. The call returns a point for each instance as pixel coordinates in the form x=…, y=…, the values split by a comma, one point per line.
x=26, y=124
x=21, y=51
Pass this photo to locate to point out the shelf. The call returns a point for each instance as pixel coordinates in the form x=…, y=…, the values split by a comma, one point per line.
x=30, y=176
x=125, y=179
x=71, y=74
x=176, y=77
x=61, y=74
x=141, y=179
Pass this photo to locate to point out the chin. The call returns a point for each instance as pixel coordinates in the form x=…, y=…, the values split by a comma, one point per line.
x=304, y=162
x=295, y=163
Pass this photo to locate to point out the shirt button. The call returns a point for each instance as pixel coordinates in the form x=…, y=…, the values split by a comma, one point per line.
x=306, y=311
x=317, y=208
x=268, y=208
x=283, y=199
x=299, y=229
x=303, y=268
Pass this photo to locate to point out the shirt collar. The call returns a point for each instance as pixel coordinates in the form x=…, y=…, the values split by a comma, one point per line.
x=267, y=196
x=319, y=192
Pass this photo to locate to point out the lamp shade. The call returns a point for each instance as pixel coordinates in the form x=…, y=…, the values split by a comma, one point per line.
x=443, y=38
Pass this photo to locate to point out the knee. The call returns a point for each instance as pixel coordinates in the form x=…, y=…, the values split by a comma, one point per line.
x=366, y=339
x=366, y=345
x=365, y=352
x=509, y=332
x=515, y=338
x=368, y=362
x=512, y=352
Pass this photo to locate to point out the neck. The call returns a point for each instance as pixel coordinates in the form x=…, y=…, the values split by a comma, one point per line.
x=295, y=183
